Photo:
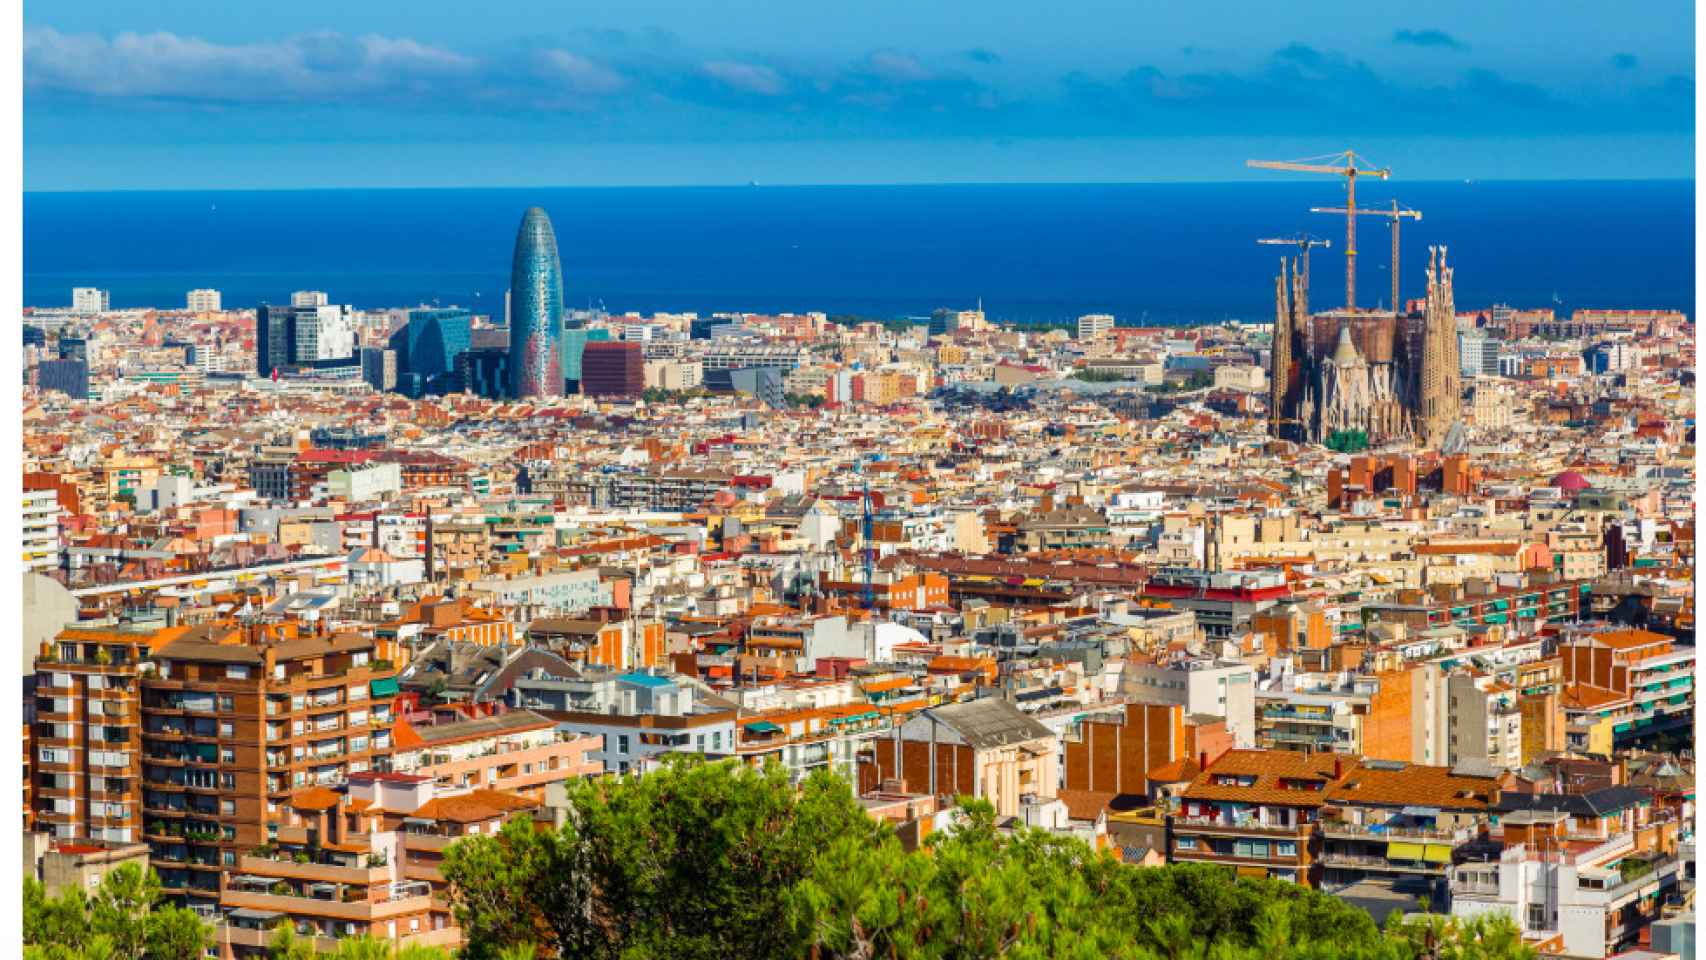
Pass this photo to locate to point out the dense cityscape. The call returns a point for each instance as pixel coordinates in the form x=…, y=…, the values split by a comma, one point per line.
x=1394, y=604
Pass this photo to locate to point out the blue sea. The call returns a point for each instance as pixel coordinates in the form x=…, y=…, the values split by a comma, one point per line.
x=1148, y=253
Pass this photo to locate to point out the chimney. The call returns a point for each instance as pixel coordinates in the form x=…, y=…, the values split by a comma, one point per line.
x=1338, y=767
x=1202, y=760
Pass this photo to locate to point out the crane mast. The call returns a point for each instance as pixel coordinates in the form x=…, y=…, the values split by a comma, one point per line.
x=1345, y=164
x=1394, y=216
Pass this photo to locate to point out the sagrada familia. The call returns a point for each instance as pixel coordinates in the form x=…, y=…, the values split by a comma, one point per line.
x=1392, y=376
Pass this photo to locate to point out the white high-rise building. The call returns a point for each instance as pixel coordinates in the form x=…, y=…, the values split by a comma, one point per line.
x=202, y=301
x=324, y=332
x=308, y=298
x=1093, y=325
x=41, y=529
x=89, y=300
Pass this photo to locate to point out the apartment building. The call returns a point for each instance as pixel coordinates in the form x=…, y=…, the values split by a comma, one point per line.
x=88, y=731
x=1581, y=896
x=805, y=740
x=1388, y=820
x=636, y=717
x=360, y=861
x=1203, y=686
x=235, y=720
x=517, y=752
x=1255, y=811
x=40, y=519
x=986, y=748
x=1310, y=722
x=1640, y=681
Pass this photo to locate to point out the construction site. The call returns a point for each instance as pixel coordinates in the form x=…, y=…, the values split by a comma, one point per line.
x=1349, y=377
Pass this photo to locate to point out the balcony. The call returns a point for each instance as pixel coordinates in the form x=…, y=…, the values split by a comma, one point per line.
x=288, y=868
x=1664, y=873
x=1361, y=862
x=399, y=900
x=1242, y=827
x=1362, y=831
x=1295, y=716
x=1207, y=855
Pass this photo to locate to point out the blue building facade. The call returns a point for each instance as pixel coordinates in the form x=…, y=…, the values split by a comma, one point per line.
x=536, y=310
x=427, y=347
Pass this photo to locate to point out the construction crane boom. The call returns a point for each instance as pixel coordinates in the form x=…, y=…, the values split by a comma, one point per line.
x=1394, y=216
x=1345, y=164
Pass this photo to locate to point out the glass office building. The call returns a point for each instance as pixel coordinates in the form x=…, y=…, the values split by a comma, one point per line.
x=427, y=347
x=575, y=340
x=536, y=310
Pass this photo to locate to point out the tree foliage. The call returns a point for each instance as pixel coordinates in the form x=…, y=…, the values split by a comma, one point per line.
x=704, y=859
x=125, y=920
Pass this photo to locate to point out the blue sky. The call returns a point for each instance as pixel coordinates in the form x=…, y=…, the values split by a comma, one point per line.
x=198, y=93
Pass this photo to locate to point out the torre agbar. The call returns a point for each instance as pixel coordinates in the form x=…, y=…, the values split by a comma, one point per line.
x=1376, y=375
x=536, y=310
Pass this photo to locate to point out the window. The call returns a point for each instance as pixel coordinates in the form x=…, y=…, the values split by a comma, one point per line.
x=622, y=743
x=1186, y=843
x=227, y=755
x=226, y=729
x=1285, y=848
x=1537, y=916
x=237, y=671
x=225, y=703
x=227, y=807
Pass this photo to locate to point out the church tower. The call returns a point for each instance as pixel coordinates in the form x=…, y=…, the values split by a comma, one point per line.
x=1279, y=378
x=1441, y=384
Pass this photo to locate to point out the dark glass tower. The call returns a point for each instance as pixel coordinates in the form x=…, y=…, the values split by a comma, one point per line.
x=536, y=310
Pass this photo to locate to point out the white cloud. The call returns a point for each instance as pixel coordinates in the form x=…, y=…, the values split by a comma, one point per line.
x=749, y=77
x=897, y=66
x=320, y=66
x=582, y=75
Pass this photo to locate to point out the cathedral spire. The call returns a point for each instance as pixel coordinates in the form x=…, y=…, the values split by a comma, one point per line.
x=1279, y=377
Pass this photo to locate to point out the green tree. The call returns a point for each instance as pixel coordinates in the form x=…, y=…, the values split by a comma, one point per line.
x=121, y=908
x=693, y=860
x=177, y=934
x=284, y=944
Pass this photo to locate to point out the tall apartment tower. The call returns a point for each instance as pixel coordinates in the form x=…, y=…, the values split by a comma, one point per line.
x=536, y=310
x=88, y=733
x=202, y=301
x=1441, y=393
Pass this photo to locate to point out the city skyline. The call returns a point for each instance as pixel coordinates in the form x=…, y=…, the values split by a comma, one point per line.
x=660, y=94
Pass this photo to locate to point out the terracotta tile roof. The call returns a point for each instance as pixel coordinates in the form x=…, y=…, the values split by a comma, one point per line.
x=1177, y=771
x=315, y=798
x=473, y=807
x=1401, y=785
x=1085, y=804
x=1583, y=697
x=1269, y=768
x=1627, y=639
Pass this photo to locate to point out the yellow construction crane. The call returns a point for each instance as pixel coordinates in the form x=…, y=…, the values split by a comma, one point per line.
x=1395, y=216
x=1350, y=166
x=1302, y=242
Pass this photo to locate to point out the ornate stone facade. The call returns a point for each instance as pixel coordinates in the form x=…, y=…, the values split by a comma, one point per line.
x=1401, y=384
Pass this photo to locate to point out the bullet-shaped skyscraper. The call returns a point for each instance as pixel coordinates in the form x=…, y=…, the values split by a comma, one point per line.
x=536, y=310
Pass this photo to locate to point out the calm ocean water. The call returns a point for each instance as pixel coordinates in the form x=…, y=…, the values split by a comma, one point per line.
x=1172, y=253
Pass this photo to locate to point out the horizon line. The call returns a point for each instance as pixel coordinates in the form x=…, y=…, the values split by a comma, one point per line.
x=756, y=185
